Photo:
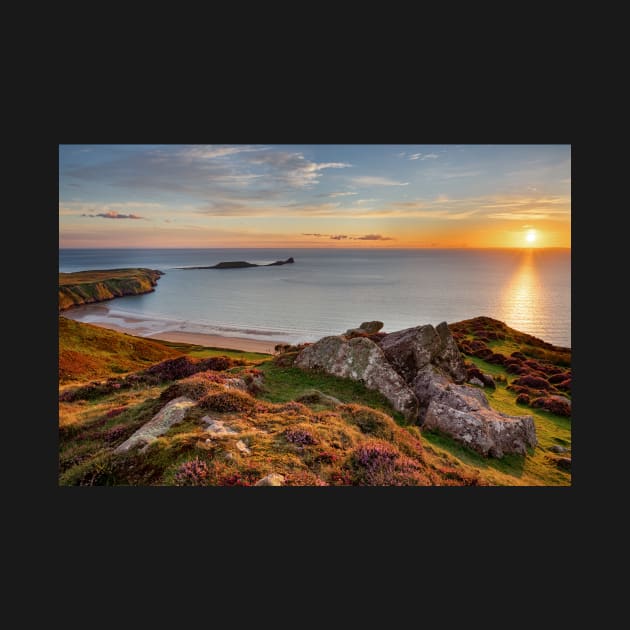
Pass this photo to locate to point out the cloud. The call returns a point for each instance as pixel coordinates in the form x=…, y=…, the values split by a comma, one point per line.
x=423, y=156
x=214, y=151
x=343, y=237
x=112, y=215
x=206, y=172
x=340, y=194
x=373, y=237
x=369, y=180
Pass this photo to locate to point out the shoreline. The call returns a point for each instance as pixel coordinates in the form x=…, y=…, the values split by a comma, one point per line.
x=97, y=315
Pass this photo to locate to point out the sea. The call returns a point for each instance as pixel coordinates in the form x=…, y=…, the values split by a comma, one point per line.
x=327, y=291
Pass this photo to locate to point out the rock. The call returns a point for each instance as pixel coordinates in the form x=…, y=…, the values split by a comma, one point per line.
x=229, y=456
x=170, y=414
x=412, y=349
x=366, y=328
x=563, y=462
x=361, y=360
x=315, y=397
x=558, y=449
x=464, y=413
x=242, y=447
x=475, y=381
x=217, y=427
x=488, y=381
x=273, y=479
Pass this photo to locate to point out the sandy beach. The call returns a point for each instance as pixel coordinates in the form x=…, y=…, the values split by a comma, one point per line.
x=99, y=315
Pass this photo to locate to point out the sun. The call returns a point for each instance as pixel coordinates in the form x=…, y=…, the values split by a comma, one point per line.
x=530, y=237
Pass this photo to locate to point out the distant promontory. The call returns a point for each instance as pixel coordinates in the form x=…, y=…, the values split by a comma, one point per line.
x=242, y=264
x=87, y=287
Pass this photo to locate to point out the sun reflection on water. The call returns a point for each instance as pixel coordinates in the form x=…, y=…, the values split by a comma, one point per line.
x=519, y=300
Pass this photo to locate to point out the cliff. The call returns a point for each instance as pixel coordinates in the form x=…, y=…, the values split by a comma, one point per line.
x=87, y=287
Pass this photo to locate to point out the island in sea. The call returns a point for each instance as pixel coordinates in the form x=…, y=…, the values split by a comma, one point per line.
x=465, y=403
x=242, y=264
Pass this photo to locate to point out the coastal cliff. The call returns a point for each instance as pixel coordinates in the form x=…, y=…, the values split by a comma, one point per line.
x=87, y=287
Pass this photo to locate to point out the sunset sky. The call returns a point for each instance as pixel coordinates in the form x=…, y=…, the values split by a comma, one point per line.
x=314, y=196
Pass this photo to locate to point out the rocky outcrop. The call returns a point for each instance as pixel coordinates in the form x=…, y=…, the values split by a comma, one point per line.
x=421, y=372
x=88, y=287
x=412, y=349
x=362, y=360
x=170, y=414
x=464, y=413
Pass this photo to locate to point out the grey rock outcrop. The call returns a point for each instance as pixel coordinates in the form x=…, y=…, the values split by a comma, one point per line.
x=412, y=349
x=362, y=360
x=464, y=413
x=170, y=414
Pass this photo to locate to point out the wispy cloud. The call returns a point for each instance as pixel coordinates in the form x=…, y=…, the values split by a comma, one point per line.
x=423, y=156
x=112, y=215
x=215, y=151
x=340, y=194
x=343, y=237
x=369, y=180
x=373, y=237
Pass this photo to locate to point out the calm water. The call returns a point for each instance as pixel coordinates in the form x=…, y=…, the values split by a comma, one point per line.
x=327, y=291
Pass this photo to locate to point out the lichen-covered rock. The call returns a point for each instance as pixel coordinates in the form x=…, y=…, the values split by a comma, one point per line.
x=361, y=360
x=273, y=479
x=412, y=349
x=464, y=413
x=170, y=414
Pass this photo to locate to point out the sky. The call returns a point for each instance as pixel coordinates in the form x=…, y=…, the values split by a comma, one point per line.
x=433, y=196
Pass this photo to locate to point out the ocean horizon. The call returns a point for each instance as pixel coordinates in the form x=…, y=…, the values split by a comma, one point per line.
x=328, y=290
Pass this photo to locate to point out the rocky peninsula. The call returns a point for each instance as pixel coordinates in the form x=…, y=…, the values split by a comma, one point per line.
x=242, y=264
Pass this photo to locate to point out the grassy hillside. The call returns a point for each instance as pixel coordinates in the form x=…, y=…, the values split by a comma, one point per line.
x=361, y=442
x=86, y=287
x=88, y=352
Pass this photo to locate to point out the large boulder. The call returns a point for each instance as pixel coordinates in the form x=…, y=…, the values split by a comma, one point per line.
x=360, y=359
x=412, y=349
x=463, y=412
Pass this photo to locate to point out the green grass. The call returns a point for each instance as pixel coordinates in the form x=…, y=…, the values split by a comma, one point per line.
x=203, y=352
x=283, y=384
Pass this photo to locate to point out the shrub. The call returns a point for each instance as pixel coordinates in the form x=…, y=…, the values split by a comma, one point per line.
x=300, y=436
x=369, y=420
x=228, y=400
x=553, y=404
x=378, y=463
x=116, y=433
x=195, y=387
x=559, y=377
x=522, y=399
x=192, y=473
x=173, y=369
x=294, y=408
x=219, y=363
x=303, y=478
x=116, y=411
x=532, y=381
